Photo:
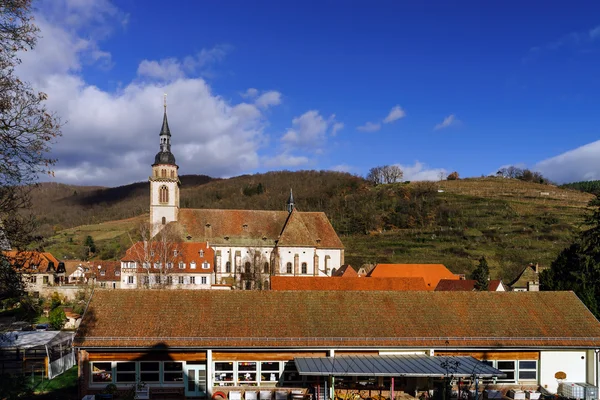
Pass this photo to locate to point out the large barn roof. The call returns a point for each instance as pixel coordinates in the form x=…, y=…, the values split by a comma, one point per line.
x=293, y=319
x=257, y=228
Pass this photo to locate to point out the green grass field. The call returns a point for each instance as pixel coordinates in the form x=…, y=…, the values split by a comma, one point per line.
x=63, y=386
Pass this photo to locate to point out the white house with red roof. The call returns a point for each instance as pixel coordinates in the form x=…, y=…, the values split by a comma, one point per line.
x=176, y=265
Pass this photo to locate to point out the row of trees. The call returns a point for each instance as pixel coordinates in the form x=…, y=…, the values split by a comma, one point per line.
x=522, y=174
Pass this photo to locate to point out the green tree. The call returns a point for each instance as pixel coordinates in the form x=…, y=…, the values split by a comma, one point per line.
x=481, y=275
x=577, y=267
x=89, y=243
x=57, y=318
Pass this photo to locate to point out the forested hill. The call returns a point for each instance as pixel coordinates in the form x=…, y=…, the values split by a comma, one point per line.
x=509, y=221
x=584, y=186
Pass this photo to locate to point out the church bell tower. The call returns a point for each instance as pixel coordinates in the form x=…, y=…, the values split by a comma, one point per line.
x=164, y=181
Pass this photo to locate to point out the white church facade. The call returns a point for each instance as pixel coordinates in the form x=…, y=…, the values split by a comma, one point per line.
x=249, y=245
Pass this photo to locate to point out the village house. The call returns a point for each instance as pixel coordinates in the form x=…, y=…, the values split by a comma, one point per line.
x=41, y=272
x=249, y=245
x=528, y=280
x=158, y=264
x=212, y=343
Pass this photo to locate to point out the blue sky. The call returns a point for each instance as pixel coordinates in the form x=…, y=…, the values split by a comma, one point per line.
x=269, y=85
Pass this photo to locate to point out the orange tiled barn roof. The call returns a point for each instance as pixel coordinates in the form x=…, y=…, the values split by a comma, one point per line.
x=351, y=283
x=292, y=319
x=431, y=273
x=464, y=285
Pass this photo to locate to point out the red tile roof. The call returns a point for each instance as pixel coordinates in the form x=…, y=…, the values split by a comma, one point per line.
x=464, y=285
x=110, y=269
x=185, y=252
x=31, y=261
x=351, y=283
x=431, y=273
x=345, y=271
x=257, y=228
x=292, y=319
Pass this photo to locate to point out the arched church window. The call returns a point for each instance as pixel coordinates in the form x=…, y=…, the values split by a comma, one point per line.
x=172, y=174
x=228, y=266
x=304, y=268
x=156, y=173
x=266, y=268
x=288, y=268
x=163, y=194
x=164, y=220
x=163, y=173
x=247, y=267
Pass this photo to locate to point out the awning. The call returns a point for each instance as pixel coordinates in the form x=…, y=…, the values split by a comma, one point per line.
x=412, y=365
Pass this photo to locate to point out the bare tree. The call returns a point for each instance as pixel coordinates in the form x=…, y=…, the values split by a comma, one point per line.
x=157, y=256
x=27, y=128
x=255, y=271
x=385, y=174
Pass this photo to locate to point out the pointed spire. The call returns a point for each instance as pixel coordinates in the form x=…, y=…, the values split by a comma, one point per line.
x=165, y=125
x=290, y=202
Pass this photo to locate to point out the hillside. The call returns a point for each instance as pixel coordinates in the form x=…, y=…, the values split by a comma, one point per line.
x=510, y=222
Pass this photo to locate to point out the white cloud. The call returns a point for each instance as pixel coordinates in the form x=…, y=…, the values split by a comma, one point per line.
x=310, y=130
x=267, y=99
x=580, y=164
x=285, y=160
x=338, y=126
x=421, y=172
x=369, y=127
x=111, y=137
x=250, y=93
x=572, y=40
x=396, y=113
x=166, y=69
x=449, y=121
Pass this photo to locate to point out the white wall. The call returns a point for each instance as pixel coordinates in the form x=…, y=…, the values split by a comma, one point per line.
x=573, y=363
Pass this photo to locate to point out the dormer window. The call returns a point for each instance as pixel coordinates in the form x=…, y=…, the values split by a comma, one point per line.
x=245, y=227
x=152, y=253
x=117, y=273
x=201, y=253
x=205, y=265
x=102, y=273
x=226, y=238
x=207, y=225
x=181, y=265
x=193, y=265
x=174, y=253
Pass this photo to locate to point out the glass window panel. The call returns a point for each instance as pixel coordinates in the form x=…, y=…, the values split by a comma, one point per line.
x=527, y=364
x=223, y=366
x=247, y=377
x=126, y=367
x=150, y=377
x=506, y=365
x=149, y=366
x=267, y=376
x=223, y=376
x=101, y=372
x=173, y=377
x=173, y=366
x=269, y=366
x=527, y=375
x=125, y=377
x=247, y=366
x=191, y=380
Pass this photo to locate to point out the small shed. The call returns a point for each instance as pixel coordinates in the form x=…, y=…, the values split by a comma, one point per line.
x=50, y=352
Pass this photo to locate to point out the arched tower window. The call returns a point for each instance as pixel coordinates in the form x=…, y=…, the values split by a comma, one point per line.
x=164, y=220
x=163, y=194
x=172, y=174
x=163, y=173
x=228, y=266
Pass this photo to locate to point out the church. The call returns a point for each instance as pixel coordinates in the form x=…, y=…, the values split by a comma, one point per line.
x=249, y=246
